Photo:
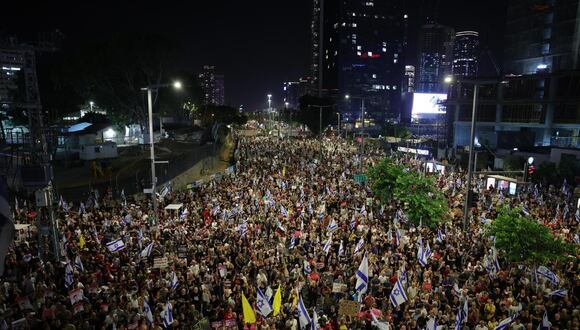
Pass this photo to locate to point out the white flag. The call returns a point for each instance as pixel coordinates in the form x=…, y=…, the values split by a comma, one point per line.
x=398, y=295
x=147, y=250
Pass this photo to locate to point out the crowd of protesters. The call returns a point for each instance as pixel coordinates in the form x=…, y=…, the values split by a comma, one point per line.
x=266, y=226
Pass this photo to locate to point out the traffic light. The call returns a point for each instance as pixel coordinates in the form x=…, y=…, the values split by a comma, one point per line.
x=531, y=169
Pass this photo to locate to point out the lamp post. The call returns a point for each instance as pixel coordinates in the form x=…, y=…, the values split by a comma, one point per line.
x=91, y=104
x=270, y=109
x=476, y=84
x=149, y=89
x=362, y=125
x=338, y=124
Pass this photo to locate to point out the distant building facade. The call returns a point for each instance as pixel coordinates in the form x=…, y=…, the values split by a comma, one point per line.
x=212, y=86
x=434, y=57
x=362, y=54
x=542, y=36
x=466, y=54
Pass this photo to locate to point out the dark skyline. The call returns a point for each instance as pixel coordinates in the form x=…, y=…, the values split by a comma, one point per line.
x=256, y=45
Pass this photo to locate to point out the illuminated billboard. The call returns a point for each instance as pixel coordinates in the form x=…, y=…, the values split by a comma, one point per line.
x=428, y=104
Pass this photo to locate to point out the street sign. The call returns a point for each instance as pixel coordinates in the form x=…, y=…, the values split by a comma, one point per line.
x=360, y=178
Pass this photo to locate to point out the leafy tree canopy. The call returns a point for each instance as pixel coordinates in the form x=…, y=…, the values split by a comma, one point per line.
x=523, y=239
x=418, y=194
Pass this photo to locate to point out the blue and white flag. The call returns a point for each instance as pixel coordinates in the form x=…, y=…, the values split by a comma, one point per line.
x=167, y=315
x=7, y=228
x=303, y=315
x=174, y=282
x=504, y=324
x=282, y=228
x=327, y=245
x=359, y=245
x=352, y=224
x=263, y=306
x=526, y=211
x=242, y=228
x=398, y=295
x=558, y=293
x=79, y=264
x=307, y=269
x=96, y=236
x=431, y=324
x=314, y=324
x=363, y=210
x=340, y=249
x=548, y=275
x=147, y=251
x=440, y=236
x=403, y=276
x=292, y=243
x=390, y=235
x=283, y=211
x=68, y=275
x=166, y=190
x=576, y=238
x=332, y=227
x=147, y=311
x=423, y=254
x=577, y=215
x=116, y=245
x=546, y=324
x=362, y=276
x=379, y=324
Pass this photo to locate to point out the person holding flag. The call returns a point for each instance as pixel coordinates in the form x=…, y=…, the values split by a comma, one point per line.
x=263, y=306
x=248, y=311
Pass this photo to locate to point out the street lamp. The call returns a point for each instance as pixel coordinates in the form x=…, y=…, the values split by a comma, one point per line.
x=149, y=89
x=270, y=110
x=91, y=103
x=362, y=125
x=476, y=84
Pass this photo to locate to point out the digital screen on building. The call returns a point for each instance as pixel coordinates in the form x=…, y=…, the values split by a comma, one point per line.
x=428, y=103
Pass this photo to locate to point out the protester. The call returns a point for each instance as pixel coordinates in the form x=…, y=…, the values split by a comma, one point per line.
x=290, y=218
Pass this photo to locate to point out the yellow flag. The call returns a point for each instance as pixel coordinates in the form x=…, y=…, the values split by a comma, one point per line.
x=81, y=241
x=284, y=171
x=249, y=316
x=277, y=303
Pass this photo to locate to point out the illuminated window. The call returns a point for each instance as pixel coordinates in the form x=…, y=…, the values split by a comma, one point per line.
x=359, y=53
x=384, y=50
x=396, y=55
x=374, y=75
x=384, y=44
x=358, y=47
x=395, y=61
x=394, y=87
x=370, y=54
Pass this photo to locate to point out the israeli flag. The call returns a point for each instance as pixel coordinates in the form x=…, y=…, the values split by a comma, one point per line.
x=431, y=324
x=314, y=324
x=362, y=276
x=79, y=264
x=263, y=306
x=96, y=235
x=332, y=227
x=140, y=237
x=174, y=282
x=243, y=228
x=340, y=249
x=558, y=293
x=423, y=254
x=576, y=238
x=577, y=215
x=440, y=236
x=328, y=245
x=548, y=274
x=68, y=275
x=284, y=211
x=282, y=228
x=398, y=295
x=167, y=315
x=303, y=316
x=504, y=324
x=307, y=269
x=398, y=237
x=147, y=311
x=352, y=224
x=359, y=245
x=379, y=324
x=546, y=324
x=403, y=276
x=390, y=235
x=147, y=251
x=363, y=210
x=456, y=290
x=292, y=243
x=82, y=209
x=525, y=211
x=116, y=245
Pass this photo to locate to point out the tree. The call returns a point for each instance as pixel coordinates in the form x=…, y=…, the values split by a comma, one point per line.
x=524, y=240
x=513, y=163
x=418, y=194
x=309, y=112
x=396, y=130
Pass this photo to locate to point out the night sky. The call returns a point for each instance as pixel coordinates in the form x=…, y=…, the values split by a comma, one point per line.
x=256, y=44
